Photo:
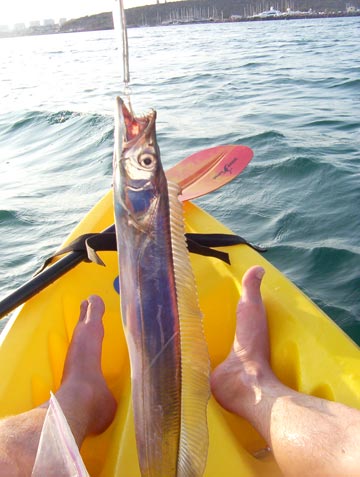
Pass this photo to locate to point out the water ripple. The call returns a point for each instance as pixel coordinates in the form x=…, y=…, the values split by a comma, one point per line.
x=289, y=90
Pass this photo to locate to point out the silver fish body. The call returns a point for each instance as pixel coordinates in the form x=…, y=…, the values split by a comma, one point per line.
x=149, y=241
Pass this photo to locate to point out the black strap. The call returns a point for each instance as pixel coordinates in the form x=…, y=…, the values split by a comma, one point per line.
x=200, y=244
x=222, y=240
x=88, y=243
x=197, y=247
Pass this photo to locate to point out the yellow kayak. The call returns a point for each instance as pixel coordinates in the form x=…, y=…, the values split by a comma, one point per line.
x=308, y=351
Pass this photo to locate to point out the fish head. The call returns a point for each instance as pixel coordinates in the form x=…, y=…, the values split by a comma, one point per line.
x=136, y=148
x=139, y=178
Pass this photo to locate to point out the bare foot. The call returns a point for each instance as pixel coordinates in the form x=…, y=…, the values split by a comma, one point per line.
x=236, y=381
x=307, y=435
x=84, y=395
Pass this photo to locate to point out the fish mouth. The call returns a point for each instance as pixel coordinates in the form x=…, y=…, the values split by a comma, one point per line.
x=134, y=126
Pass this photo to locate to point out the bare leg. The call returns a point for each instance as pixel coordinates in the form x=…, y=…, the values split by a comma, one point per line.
x=84, y=397
x=308, y=435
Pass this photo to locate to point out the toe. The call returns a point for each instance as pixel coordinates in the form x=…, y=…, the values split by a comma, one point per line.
x=251, y=285
x=95, y=309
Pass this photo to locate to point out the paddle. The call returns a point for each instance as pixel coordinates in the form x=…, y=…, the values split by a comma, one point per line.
x=197, y=175
x=208, y=170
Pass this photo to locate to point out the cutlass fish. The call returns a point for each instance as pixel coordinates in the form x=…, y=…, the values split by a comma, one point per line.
x=161, y=317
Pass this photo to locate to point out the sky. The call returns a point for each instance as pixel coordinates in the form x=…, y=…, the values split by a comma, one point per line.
x=24, y=11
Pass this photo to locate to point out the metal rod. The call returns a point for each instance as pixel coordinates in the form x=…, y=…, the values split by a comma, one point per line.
x=120, y=26
x=125, y=45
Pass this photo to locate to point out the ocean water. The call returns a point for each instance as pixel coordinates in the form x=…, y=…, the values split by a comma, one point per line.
x=290, y=90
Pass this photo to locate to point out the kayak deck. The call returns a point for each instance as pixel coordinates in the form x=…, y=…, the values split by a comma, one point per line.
x=308, y=351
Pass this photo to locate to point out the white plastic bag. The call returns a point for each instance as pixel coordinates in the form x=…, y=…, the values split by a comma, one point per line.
x=58, y=454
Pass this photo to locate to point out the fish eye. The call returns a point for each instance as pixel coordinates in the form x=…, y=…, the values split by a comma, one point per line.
x=147, y=160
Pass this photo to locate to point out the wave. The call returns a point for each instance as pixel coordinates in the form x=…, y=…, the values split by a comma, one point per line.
x=32, y=127
x=24, y=119
x=313, y=269
x=264, y=138
x=323, y=122
x=17, y=218
x=349, y=83
x=7, y=215
x=59, y=117
x=335, y=124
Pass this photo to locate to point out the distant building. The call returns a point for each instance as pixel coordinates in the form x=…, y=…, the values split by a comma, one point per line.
x=34, y=23
x=19, y=27
x=49, y=22
x=62, y=21
x=4, y=28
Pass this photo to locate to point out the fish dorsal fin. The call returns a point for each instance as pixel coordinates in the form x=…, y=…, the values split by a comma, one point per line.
x=195, y=366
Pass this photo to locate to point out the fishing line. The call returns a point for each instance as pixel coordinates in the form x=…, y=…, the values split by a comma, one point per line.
x=120, y=27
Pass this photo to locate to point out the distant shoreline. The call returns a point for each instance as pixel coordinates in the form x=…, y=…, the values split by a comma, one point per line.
x=87, y=24
x=300, y=16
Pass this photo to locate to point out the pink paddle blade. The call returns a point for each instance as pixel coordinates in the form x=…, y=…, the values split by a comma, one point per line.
x=210, y=169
